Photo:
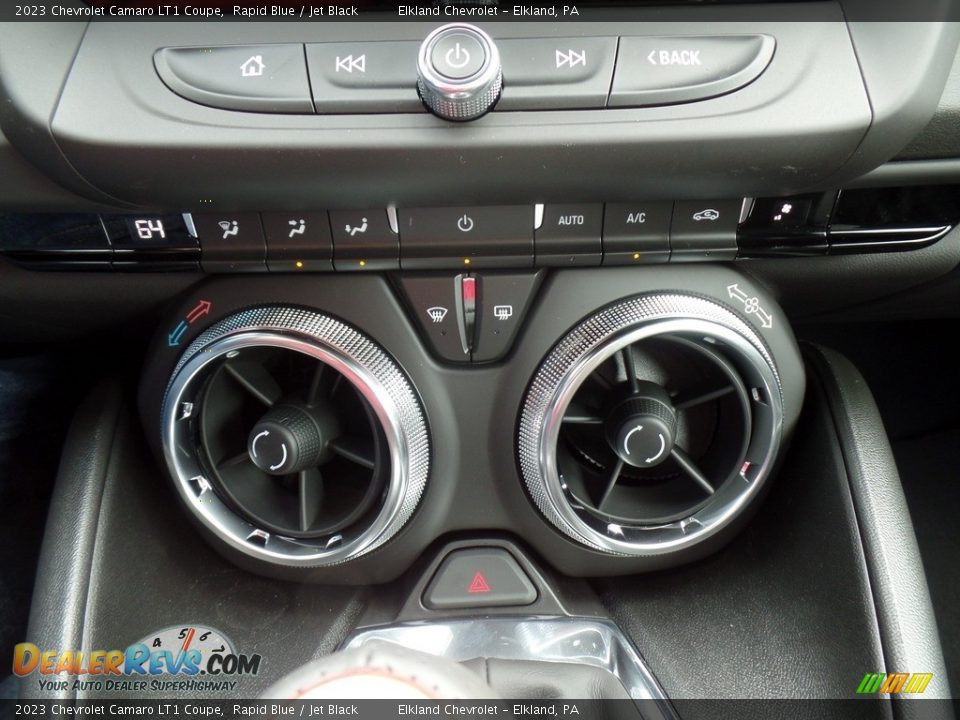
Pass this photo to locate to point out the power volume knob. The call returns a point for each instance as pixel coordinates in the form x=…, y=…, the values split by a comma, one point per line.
x=458, y=70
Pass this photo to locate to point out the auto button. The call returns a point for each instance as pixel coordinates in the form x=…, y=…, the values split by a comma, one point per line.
x=569, y=235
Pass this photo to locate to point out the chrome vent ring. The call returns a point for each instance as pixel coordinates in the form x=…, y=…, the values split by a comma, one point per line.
x=376, y=380
x=719, y=338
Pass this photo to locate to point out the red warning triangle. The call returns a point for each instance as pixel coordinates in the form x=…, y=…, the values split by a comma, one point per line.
x=478, y=584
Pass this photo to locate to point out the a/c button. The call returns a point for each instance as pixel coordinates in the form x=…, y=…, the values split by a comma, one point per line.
x=636, y=233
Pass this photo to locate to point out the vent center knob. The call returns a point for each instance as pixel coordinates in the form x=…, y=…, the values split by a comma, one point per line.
x=289, y=438
x=642, y=428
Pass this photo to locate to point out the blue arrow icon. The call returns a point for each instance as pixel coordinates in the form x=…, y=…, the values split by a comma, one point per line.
x=173, y=339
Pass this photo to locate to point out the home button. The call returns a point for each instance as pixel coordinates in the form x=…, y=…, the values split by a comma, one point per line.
x=255, y=78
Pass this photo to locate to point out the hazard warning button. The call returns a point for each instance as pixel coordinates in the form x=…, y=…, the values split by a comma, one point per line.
x=479, y=577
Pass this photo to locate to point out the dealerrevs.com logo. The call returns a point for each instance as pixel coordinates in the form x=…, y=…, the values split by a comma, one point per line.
x=172, y=659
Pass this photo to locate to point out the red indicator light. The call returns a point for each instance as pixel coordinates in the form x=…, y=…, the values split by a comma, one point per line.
x=469, y=289
x=478, y=584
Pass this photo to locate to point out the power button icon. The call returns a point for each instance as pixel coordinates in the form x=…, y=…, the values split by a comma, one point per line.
x=457, y=55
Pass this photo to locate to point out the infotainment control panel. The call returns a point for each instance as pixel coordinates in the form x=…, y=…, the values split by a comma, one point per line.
x=537, y=73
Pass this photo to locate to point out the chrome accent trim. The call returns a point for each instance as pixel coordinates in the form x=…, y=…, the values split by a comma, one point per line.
x=537, y=216
x=368, y=368
x=392, y=219
x=581, y=352
x=190, y=225
x=578, y=640
x=924, y=230
x=745, y=207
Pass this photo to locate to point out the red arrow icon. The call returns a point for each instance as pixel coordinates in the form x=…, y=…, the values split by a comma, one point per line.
x=478, y=584
x=202, y=308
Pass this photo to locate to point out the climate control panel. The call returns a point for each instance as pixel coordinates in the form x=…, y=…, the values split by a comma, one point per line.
x=473, y=238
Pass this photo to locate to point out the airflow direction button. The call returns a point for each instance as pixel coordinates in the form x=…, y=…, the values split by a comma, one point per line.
x=298, y=241
x=231, y=242
x=363, y=240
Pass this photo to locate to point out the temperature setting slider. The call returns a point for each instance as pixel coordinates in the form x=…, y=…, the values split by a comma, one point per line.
x=458, y=69
x=470, y=317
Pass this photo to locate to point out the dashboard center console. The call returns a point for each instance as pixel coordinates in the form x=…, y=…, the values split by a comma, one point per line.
x=491, y=316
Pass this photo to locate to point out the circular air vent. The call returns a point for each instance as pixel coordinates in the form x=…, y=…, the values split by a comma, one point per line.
x=651, y=425
x=294, y=438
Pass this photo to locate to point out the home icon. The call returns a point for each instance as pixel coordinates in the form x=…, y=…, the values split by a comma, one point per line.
x=253, y=67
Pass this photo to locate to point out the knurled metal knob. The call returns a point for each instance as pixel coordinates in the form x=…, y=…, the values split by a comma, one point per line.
x=458, y=69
